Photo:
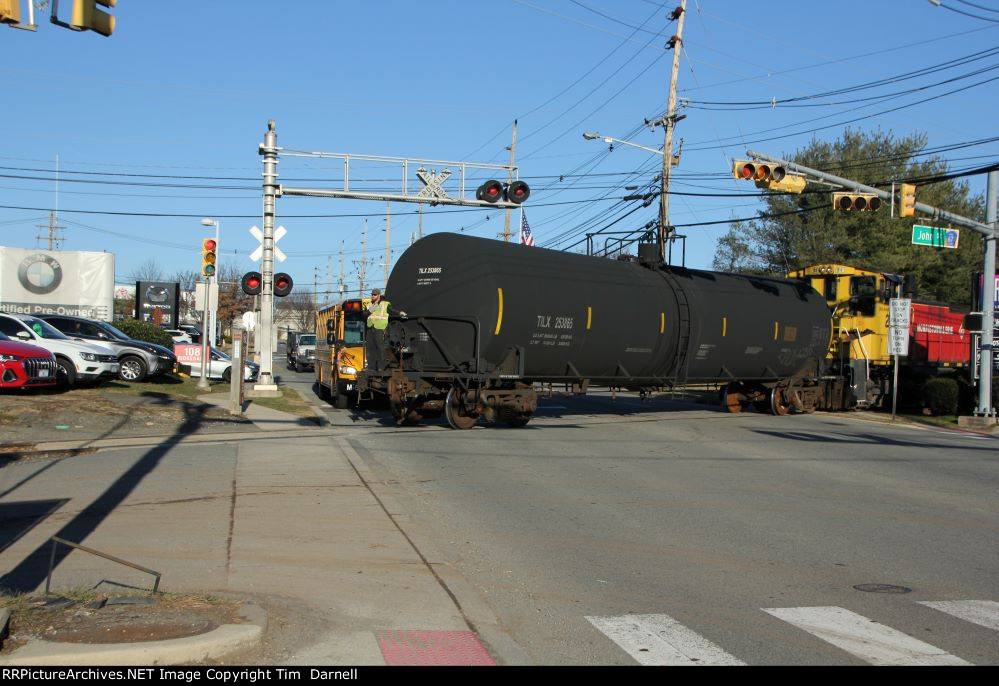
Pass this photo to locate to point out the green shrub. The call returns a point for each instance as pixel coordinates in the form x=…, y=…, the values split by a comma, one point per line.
x=143, y=331
x=941, y=395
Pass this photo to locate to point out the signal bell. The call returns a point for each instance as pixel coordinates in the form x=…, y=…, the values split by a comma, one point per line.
x=860, y=202
x=252, y=283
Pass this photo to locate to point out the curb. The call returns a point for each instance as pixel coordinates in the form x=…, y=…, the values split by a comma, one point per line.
x=226, y=639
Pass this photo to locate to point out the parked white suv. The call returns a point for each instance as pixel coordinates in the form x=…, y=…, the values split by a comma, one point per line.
x=79, y=362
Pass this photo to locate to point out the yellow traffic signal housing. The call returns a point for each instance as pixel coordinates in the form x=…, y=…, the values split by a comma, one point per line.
x=789, y=184
x=10, y=11
x=87, y=16
x=860, y=202
x=907, y=200
x=209, y=249
x=752, y=170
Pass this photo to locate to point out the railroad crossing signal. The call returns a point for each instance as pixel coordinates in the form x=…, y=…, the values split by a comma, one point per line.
x=279, y=232
x=860, y=202
x=87, y=16
x=907, y=200
x=773, y=177
x=209, y=248
x=282, y=284
x=252, y=283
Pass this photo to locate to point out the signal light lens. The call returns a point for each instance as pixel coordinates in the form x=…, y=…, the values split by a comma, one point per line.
x=209, y=244
x=282, y=285
x=748, y=171
x=778, y=173
x=762, y=172
x=490, y=191
x=252, y=283
x=874, y=204
x=518, y=192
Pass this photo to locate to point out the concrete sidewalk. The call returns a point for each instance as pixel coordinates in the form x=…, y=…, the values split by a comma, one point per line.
x=286, y=515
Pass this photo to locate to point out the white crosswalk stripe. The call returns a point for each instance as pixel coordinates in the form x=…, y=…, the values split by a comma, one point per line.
x=872, y=642
x=661, y=640
x=658, y=639
x=981, y=612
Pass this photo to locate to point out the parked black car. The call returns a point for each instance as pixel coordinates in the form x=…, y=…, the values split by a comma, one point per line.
x=137, y=360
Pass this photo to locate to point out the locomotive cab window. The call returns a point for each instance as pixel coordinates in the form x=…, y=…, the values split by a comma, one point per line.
x=830, y=290
x=863, y=295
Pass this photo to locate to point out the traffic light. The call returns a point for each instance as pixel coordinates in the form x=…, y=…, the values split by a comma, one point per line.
x=517, y=192
x=252, y=283
x=860, y=202
x=10, y=11
x=490, y=191
x=282, y=284
x=747, y=170
x=87, y=16
x=208, y=256
x=773, y=177
x=907, y=200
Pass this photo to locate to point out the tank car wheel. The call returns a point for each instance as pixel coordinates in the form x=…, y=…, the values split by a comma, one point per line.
x=454, y=413
x=731, y=397
x=518, y=421
x=779, y=404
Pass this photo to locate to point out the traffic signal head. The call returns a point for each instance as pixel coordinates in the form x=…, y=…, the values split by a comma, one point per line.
x=861, y=202
x=209, y=248
x=517, y=192
x=490, y=191
x=252, y=283
x=907, y=200
x=760, y=172
x=87, y=16
x=10, y=11
x=282, y=285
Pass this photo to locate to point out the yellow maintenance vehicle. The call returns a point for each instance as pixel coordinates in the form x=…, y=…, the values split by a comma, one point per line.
x=340, y=351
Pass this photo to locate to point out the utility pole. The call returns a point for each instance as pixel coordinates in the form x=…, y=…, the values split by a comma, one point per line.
x=986, y=358
x=676, y=42
x=513, y=153
x=388, y=231
x=420, y=212
x=342, y=284
x=363, y=268
x=53, y=238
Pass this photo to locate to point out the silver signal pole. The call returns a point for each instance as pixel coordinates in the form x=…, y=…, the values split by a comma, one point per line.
x=269, y=151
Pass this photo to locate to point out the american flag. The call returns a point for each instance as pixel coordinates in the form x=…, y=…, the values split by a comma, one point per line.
x=526, y=237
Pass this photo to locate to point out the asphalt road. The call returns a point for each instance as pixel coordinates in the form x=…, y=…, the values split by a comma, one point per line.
x=615, y=531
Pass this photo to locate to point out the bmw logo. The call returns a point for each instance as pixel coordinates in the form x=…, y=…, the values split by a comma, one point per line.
x=40, y=274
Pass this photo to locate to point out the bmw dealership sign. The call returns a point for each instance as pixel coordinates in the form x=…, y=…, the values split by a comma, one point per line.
x=56, y=282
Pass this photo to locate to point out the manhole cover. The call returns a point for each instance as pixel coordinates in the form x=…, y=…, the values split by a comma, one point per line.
x=882, y=588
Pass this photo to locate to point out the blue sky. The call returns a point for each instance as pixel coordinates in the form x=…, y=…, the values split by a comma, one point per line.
x=158, y=125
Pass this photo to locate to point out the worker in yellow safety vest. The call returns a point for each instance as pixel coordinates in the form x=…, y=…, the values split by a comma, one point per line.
x=377, y=322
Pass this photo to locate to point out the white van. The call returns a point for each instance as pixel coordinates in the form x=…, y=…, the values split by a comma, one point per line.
x=79, y=362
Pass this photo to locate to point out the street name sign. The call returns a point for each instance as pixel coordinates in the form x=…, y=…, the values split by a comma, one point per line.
x=935, y=236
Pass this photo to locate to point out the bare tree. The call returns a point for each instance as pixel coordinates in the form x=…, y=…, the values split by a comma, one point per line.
x=149, y=270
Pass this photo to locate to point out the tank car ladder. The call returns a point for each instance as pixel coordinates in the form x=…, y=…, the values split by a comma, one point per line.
x=683, y=341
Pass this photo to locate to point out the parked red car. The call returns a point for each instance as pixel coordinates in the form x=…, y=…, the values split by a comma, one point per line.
x=24, y=365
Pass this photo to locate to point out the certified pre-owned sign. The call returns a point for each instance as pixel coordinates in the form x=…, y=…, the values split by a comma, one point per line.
x=40, y=273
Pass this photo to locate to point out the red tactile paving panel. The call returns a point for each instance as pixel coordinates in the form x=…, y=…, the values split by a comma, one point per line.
x=433, y=648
